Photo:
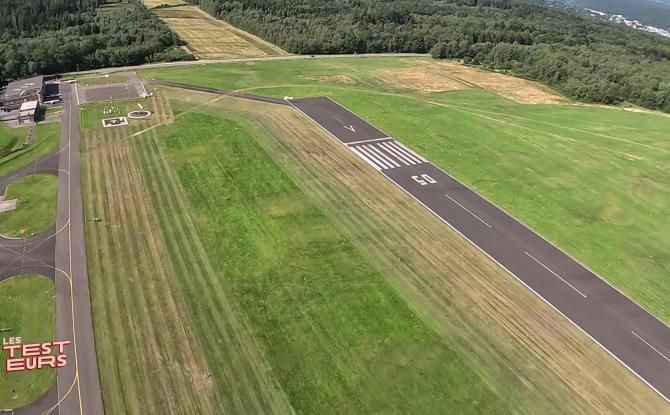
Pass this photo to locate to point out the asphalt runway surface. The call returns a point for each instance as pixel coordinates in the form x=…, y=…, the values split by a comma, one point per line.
x=78, y=383
x=107, y=92
x=633, y=336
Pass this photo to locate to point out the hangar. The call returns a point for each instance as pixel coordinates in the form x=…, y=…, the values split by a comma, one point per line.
x=25, y=90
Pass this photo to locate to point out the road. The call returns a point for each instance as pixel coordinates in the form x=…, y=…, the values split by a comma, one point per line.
x=78, y=383
x=633, y=336
x=242, y=60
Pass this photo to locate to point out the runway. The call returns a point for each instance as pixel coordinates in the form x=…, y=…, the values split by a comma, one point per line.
x=629, y=333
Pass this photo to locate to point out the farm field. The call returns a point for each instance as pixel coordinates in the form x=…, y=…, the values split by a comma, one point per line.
x=207, y=37
x=591, y=180
x=27, y=310
x=47, y=137
x=231, y=239
x=35, y=207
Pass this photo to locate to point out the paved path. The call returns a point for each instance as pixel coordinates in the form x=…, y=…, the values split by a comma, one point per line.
x=632, y=335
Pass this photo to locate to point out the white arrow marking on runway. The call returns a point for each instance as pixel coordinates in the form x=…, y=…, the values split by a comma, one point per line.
x=350, y=128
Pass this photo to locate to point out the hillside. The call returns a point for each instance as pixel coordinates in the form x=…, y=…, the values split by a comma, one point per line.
x=44, y=37
x=581, y=57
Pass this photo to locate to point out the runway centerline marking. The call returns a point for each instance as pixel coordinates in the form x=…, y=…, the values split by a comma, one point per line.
x=647, y=343
x=557, y=276
x=469, y=211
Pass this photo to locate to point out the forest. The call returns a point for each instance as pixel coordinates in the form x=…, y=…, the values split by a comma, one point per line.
x=51, y=36
x=581, y=57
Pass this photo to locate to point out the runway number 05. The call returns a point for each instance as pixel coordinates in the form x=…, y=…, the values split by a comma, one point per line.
x=424, y=179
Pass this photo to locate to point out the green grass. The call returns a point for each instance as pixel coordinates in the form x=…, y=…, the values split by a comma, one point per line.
x=11, y=138
x=92, y=114
x=593, y=181
x=26, y=310
x=101, y=80
x=35, y=208
x=53, y=110
x=46, y=140
x=337, y=336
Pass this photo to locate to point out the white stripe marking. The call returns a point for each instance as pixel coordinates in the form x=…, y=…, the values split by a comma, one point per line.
x=398, y=154
x=468, y=210
x=398, y=143
x=647, y=343
x=407, y=154
x=368, y=141
x=374, y=157
x=384, y=155
x=558, y=276
x=367, y=160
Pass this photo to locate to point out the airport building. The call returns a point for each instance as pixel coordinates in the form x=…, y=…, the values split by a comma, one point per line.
x=19, y=92
x=27, y=112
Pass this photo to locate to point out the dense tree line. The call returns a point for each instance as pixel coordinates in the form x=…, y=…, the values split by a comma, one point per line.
x=582, y=57
x=51, y=36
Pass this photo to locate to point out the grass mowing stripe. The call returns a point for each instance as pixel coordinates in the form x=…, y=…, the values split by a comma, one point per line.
x=121, y=296
x=169, y=199
x=337, y=328
x=153, y=336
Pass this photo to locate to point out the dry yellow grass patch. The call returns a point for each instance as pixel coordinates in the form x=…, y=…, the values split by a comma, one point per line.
x=209, y=38
x=156, y=3
x=516, y=89
x=432, y=76
x=420, y=78
x=455, y=288
x=339, y=79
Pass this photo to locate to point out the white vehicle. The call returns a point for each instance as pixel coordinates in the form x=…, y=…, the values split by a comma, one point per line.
x=53, y=101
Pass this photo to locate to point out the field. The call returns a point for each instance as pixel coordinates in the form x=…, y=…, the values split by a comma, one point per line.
x=273, y=281
x=93, y=114
x=26, y=310
x=35, y=207
x=46, y=140
x=11, y=138
x=101, y=80
x=592, y=180
x=209, y=38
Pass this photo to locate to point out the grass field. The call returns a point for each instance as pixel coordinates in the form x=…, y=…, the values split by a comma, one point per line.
x=11, y=138
x=35, y=207
x=209, y=38
x=93, y=114
x=46, y=140
x=26, y=310
x=101, y=80
x=592, y=180
x=275, y=281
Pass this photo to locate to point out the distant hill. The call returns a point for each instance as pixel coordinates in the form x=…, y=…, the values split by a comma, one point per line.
x=650, y=12
x=580, y=56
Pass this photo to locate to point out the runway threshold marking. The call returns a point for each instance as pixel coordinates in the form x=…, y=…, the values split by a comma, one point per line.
x=555, y=274
x=369, y=141
x=365, y=158
x=469, y=211
x=648, y=344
